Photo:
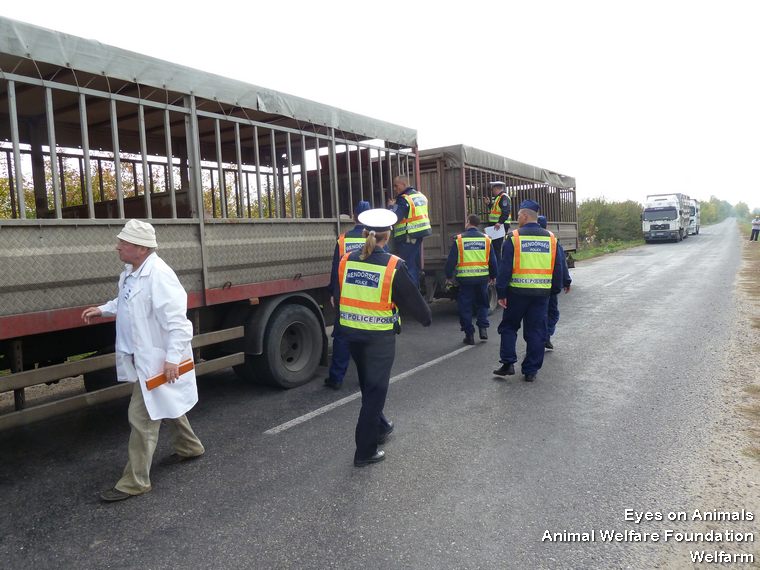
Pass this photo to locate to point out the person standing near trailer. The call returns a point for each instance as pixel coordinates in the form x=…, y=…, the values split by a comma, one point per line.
x=373, y=286
x=346, y=243
x=411, y=209
x=499, y=212
x=473, y=261
x=528, y=274
x=153, y=336
x=553, y=311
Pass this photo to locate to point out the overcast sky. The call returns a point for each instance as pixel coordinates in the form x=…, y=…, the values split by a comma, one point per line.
x=630, y=98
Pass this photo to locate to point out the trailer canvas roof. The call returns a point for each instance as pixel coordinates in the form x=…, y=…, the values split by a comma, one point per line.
x=22, y=43
x=459, y=156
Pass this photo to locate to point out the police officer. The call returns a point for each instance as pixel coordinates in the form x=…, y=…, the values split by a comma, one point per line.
x=553, y=311
x=411, y=208
x=527, y=276
x=373, y=284
x=473, y=261
x=499, y=211
x=347, y=242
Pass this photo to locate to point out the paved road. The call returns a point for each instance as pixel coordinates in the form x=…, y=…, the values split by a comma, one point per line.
x=478, y=469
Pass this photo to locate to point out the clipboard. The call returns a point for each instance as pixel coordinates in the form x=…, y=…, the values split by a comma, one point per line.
x=159, y=379
x=495, y=234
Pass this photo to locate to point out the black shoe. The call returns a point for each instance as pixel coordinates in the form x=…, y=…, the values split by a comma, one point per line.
x=530, y=377
x=377, y=458
x=113, y=495
x=483, y=333
x=330, y=383
x=384, y=436
x=548, y=345
x=469, y=339
x=507, y=369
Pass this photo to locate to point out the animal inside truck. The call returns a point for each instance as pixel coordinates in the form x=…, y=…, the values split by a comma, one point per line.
x=456, y=181
x=248, y=189
x=666, y=217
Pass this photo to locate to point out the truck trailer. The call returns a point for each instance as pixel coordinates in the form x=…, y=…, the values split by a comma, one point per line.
x=666, y=217
x=248, y=189
x=694, y=216
x=456, y=180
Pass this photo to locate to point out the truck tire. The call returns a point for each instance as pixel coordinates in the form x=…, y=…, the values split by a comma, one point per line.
x=292, y=349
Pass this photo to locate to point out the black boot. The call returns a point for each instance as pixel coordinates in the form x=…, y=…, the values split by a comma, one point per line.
x=483, y=333
x=507, y=369
x=469, y=339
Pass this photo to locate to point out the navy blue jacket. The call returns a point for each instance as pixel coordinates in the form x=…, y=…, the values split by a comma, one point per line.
x=451, y=261
x=507, y=258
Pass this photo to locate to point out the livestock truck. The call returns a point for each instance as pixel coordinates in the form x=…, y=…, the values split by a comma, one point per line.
x=666, y=217
x=248, y=189
x=694, y=217
x=456, y=180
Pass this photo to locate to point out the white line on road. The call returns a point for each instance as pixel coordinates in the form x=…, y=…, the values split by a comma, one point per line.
x=616, y=280
x=355, y=395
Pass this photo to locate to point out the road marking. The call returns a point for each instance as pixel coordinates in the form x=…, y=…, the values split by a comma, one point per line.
x=324, y=409
x=616, y=280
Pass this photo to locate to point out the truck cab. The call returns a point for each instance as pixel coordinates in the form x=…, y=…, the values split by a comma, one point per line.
x=665, y=217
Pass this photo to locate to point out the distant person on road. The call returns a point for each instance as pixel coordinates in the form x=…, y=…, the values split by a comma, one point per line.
x=473, y=261
x=755, y=228
x=373, y=283
x=413, y=225
x=347, y=242
x=528, y=274
x=553, y=312
x=500, y=212
x=153, y=336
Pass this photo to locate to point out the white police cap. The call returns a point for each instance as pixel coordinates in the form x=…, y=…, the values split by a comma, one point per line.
x=378, y=219
x=497, y=183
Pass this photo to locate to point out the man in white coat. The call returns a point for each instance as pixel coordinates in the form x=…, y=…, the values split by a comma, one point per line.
x=153, y=336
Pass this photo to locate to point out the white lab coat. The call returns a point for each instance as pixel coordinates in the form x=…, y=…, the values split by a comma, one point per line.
x=161, y=333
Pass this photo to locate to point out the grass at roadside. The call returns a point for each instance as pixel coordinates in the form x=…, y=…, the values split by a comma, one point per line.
x=608, y=246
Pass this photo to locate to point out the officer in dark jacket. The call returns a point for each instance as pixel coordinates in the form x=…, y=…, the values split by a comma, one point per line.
x=499, y=212
x=553, y=312
x=413, y=224
x=527, y=276
x=373, y=286
x=473, y=260
x=347, y=242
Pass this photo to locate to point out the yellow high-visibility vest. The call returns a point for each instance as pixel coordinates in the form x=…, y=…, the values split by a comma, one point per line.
x=348, y=244
x=365, y=294
x=533, y=261
x=474, y=253
x=495, y=213
x=417, y=222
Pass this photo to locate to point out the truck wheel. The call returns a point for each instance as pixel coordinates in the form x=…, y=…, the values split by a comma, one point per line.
x=292, y=349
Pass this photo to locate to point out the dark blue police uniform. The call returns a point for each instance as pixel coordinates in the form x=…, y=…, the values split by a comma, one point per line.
x=374, y=353
x=473, y=291
x=410, y=250
x=526, y=306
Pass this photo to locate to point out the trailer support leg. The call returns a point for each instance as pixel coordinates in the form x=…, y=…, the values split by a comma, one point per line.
x=17, y=365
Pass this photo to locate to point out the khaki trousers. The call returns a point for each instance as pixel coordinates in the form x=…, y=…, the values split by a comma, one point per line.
x=142, y=443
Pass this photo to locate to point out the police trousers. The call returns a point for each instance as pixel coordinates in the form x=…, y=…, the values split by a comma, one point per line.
x=411, y=254
x=472, y=296
x=374, y=360
x=552, y=316
x=531, y=311
x=340, y=356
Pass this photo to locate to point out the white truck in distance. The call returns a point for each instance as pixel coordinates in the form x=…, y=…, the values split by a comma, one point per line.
x=694, y=216
x=665, y=217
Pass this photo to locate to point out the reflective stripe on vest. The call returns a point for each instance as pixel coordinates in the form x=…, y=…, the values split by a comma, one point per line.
x=495, y=213
x=348, y=244
x=533, y=262
x=417, y=220
x=473, y=256
x=365, y=294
